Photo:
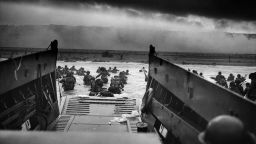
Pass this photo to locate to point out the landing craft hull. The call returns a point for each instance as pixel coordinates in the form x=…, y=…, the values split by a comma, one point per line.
x=28, y=91
x=183, y=103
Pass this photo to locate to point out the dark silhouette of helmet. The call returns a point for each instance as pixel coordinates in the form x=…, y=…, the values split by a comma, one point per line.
x=224, y=129
x=252, y=76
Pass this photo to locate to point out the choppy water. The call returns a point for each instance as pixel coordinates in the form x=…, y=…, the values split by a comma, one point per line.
x=136, y=80
x=135, y=87
x=211, y=70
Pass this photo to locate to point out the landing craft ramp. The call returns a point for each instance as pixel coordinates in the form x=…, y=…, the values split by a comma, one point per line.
x=95, y=114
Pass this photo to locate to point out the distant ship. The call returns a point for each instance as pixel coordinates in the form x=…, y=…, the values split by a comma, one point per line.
x=178, y=103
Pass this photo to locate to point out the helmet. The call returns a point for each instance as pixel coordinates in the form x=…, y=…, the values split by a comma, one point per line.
x=223, y=129
x=252, y=76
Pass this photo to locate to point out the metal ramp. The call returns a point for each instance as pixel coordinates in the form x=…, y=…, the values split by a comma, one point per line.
x=63, y=123
x=96, y=114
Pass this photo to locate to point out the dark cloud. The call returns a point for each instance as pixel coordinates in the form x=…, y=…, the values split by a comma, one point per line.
x=231, y=9
x=84, y=37
x=101, y=26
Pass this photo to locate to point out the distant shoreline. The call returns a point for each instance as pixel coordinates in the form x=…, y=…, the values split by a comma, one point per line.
x=138, y=56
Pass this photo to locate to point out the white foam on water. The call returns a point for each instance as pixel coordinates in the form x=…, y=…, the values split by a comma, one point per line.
x=136, y=85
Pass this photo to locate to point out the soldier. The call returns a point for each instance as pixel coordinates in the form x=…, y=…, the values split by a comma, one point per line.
x=81, y=71
x=201, y=75
x=58, y=72
x=123, y=77
x=219, y=77
x=225, y=129
x=65, y=70
x=194, y=71
x=240, y=78
x=239, y=86
x=115, y=70
x=104, y=75
x=115, y=86
x=231, y=77
x=127, y=72
x=235, y=88
x=87, y=78
x=143, y=70
x=68, y=83
x=94, y=89
x=247, y=87
x=251, y=94
x=106, y=94
x=109, y=69
x=73, y=69
x=96, y=86
x=98, y=70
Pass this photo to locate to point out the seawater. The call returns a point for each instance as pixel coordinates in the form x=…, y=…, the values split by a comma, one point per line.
x=212, y=70
x=135, y=87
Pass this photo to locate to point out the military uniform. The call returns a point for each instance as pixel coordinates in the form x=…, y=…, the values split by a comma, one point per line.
x=68, y=83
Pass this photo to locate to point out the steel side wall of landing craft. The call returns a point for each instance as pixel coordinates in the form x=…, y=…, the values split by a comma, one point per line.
x=17, y=72
x=27, y=69
x=205, y=98
x=178, y=127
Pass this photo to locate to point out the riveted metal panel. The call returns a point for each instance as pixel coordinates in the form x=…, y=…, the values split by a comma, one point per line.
x=205, y=98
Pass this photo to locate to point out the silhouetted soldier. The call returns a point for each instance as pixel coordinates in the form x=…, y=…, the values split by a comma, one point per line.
x=68, y=83
x=238, y=85
x=59, y=72
x=81, y=71
x=143, y=70
x=251, y=94
x=231, y=77
x=114, y=70
x=115, y=86
x=98, y=70
x=104, y=75
x=219, y=77
x=233, y=87
x=123, y=77
x=127, y=72
x=96, y=86
x=66, y=68
x=109, y=69
x=240, y=78
x=247, y=87
x=201, y=75
x=73, y=68
x=87, y=78
x=194, y=71
x=223, y=82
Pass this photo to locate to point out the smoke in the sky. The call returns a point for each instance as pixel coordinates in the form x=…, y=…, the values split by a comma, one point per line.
x=105, y=27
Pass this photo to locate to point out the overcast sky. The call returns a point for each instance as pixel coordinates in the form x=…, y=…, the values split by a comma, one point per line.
x=132, y=23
